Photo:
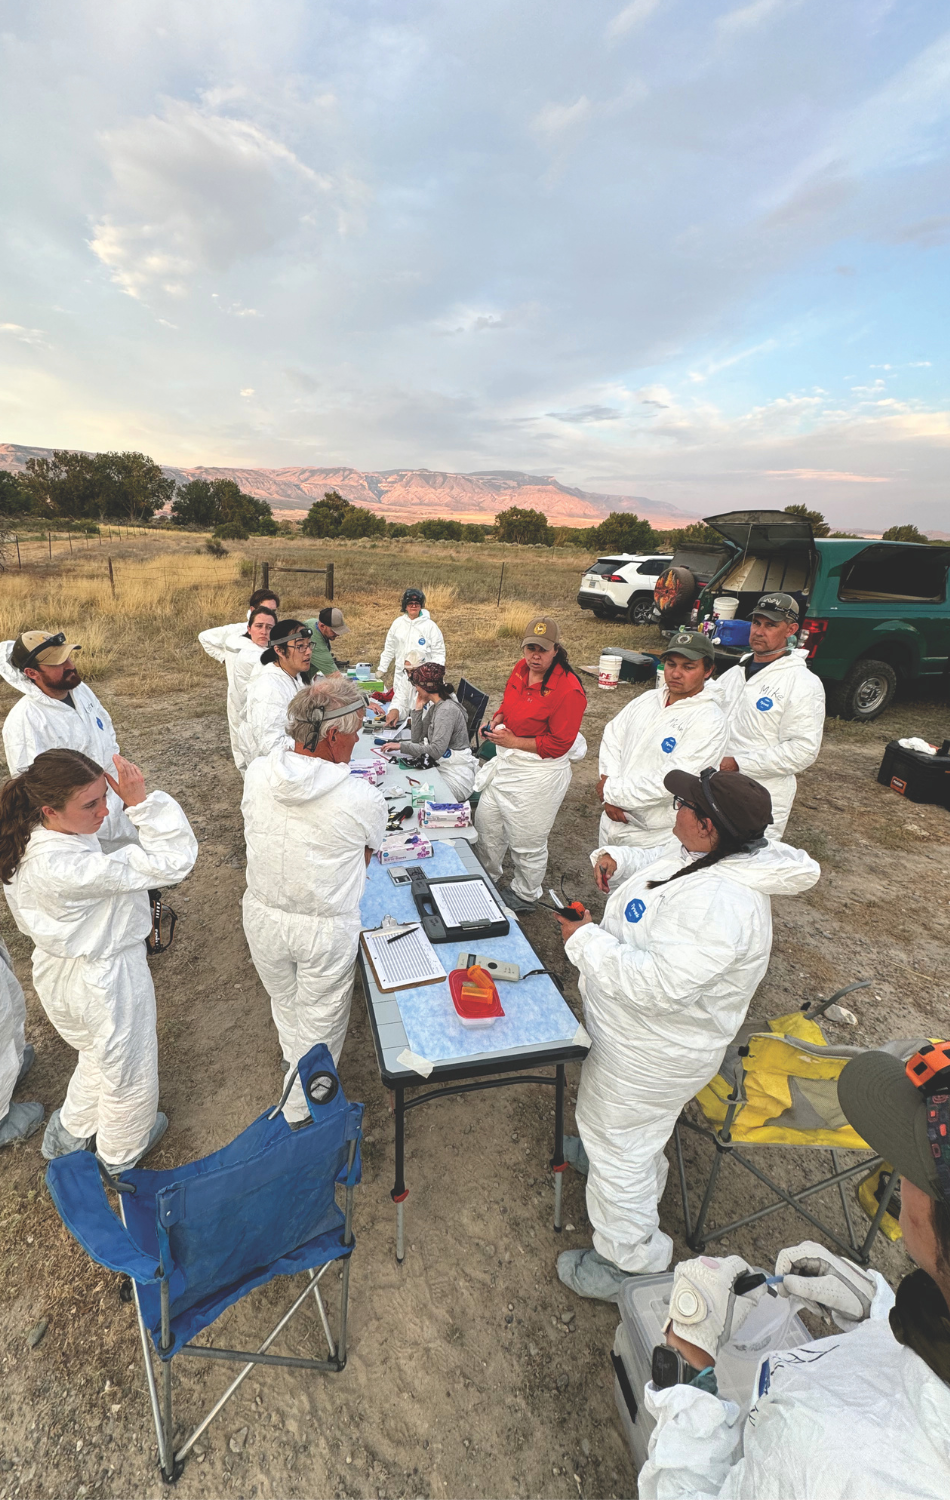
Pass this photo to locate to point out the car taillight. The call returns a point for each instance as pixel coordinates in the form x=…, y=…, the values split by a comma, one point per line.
x=811, y=636
x=616, y=578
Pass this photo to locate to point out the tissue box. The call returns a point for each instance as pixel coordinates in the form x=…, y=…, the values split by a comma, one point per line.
x=402, y=849
x=420, y=795
x=445, y=815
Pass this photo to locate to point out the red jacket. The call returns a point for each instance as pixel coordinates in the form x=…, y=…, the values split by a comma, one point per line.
x=551, y=715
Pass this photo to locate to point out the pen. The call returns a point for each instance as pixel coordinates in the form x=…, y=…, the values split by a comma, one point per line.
x=401, y=934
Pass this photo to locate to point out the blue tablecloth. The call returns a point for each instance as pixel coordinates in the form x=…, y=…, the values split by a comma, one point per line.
x=535, y=1012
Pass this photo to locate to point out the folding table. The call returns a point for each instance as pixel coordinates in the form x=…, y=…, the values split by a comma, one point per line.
x=399, y=778
x=419, y=1040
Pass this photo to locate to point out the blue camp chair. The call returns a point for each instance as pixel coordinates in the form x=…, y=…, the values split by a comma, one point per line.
x=198, y=1238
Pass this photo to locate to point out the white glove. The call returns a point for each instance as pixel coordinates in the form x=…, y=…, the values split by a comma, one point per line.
x=826, y=1283
x=704, y=1309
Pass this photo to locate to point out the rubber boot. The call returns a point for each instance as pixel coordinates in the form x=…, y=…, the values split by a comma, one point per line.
x=26, y=1063
x=590, y=1274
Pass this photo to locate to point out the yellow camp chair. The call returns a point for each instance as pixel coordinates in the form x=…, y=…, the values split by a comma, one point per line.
x=779, y=1087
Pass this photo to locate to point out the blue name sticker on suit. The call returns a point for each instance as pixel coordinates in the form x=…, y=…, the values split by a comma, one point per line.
x=446, y=754
x=668, y=744
x=100, y=723
x=635, y=909
x=422, y=640
x=764, y=704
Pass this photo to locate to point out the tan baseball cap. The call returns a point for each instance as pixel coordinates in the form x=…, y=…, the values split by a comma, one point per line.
x=542, y=631
x=333, y=620
x=29, y=649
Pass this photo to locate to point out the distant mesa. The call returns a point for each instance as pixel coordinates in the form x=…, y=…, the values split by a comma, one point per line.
x=413, y=494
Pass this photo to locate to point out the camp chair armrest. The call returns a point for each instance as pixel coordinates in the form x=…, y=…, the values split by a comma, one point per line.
x=77, y=1191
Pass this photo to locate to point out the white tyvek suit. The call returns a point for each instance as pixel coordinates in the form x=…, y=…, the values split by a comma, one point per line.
x=421, y=634
x=853, y=1415
x=520, y=795
x=270, y=693
x=88, y=914
x=241, y=659
x=648, y=739
x=307, y=824
x=39, y=723
x=774, y=725
x=12, y=1029
x=215, y=640
x=666, y=979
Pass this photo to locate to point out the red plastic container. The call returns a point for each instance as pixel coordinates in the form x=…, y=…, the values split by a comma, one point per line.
x=474, y=1013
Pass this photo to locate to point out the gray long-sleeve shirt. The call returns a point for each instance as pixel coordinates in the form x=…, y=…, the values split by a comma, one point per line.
x=436, y=728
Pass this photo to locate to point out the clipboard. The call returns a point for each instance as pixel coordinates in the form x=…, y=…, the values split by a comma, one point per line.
x=418, y=964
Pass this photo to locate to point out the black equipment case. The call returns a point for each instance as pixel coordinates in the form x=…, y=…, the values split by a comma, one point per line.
x=916, y=775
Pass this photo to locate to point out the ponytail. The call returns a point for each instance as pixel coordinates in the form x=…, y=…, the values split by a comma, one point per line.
x=559, y=659
x=728, y=844
x=49, y=782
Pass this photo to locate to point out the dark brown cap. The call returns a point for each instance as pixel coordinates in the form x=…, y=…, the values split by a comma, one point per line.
x=888, y=1112
x=735, y=803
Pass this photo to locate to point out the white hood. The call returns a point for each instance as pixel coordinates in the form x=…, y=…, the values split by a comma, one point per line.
x=15, y=677
x=293, y=778
x=775, y=870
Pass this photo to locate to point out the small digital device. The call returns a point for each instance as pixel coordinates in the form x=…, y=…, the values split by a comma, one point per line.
x=510, y=973
x=456, y=908
x=668, y=1367
x=399, y=877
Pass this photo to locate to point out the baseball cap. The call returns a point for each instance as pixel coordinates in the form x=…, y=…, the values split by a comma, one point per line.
x=734, y=802
x=890, y=1114
x=333, y=619
x=542, y=631
x=778, y=607
x=28, y=649
x=692, y=644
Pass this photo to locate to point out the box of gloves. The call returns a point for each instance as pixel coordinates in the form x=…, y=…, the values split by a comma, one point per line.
x=403, y=849
x=445, y=815
x=371, y=768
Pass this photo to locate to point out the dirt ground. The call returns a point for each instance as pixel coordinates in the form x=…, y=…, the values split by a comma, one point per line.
x=472, y=1371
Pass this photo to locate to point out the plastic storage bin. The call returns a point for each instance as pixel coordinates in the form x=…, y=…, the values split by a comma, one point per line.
x=732, y=632
x=916, y=775
x=644, y=1308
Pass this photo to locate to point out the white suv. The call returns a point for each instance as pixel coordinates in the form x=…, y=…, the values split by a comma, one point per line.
x=622, y=585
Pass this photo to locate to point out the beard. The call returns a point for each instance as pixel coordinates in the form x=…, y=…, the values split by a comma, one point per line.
x=70, y=679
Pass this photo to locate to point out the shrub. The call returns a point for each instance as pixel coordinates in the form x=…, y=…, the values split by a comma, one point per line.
x=232, y=531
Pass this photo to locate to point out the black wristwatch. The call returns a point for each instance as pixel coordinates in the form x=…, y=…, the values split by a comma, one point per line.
x=670, y=1368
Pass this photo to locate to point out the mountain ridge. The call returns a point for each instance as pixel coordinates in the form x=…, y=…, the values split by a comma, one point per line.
x=404, y=494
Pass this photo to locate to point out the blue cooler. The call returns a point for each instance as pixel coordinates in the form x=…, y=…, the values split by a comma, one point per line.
x=732, y=632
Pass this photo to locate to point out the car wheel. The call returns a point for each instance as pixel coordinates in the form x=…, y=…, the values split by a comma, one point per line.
x=641, y=610
x=866, y=691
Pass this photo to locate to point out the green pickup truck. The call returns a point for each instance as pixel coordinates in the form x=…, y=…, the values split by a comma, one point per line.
x=874, y=613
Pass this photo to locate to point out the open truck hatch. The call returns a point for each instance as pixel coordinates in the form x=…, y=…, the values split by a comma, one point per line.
x=904, y=573
x=763, y=531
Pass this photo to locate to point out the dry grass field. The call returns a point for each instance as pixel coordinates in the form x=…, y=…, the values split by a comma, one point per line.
x=472, y=1371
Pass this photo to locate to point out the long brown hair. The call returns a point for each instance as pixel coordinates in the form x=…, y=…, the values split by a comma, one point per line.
x=50, y=782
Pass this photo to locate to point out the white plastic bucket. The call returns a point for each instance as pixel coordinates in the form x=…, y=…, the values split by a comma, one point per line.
x=725, y=607
x=608, y=671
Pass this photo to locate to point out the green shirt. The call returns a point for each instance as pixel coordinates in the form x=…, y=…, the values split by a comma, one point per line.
x=320, y=658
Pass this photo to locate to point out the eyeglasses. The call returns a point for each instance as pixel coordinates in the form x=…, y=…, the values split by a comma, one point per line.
x=679, y=802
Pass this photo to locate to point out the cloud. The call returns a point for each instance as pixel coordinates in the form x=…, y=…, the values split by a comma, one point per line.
x=195, y=191
x=751, y=17
x=633, y=15
x=586, y=414
x=555, y=120
x=830, y=476
x=24, y=335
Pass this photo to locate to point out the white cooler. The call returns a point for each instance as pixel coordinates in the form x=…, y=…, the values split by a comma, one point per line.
x=644, y=1308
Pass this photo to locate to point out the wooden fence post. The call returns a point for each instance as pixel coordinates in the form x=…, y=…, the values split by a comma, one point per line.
x=69, y=538
x=329, y=587
x=265, y=575
x=254, y=583
x=18, y=562
x=500, y=582
x=111, y=577
x=49, y=538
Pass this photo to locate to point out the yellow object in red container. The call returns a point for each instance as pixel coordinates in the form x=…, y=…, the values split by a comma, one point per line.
x=474, y=996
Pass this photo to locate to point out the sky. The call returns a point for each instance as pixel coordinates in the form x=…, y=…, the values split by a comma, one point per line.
x=687, y=249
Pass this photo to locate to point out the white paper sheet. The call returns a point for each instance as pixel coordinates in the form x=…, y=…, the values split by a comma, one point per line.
x=461, y=902
x=403, y=964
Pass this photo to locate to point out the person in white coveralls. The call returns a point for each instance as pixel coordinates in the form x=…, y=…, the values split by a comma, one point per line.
x=214, y=640
x=774, y=707
x=677, y=727
x=413, y=631
x=310, y=828
x=87, y=912
x=271, y=688
x=864, y=1412
x=17, y=1121
x=58, y=711
x=242, y=661
x=666, y=979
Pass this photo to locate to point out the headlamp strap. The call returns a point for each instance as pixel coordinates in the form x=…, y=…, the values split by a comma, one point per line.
x=328, y=715
x=51, y=642
x=929, y=1071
